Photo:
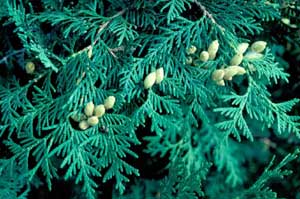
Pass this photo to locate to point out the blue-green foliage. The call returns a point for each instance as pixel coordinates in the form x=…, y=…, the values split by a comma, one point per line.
x=13, y=180
x=193, y=121
x=182, y=182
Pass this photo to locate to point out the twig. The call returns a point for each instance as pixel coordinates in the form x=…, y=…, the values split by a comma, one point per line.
x=120, y=48
x=113, y=50
x=102, y=27
x=40, y=76
x=209, y=15
x=4, y=59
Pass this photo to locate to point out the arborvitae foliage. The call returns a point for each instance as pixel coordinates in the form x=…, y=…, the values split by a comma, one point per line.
x=156, y=75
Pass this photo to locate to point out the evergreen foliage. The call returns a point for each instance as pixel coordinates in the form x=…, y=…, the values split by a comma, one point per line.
x=87, y=50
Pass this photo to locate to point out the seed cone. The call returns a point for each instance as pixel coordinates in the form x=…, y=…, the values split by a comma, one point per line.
x=109, y=102
x=191, y=50
x=213, y=49
x=99, y=110
x=29, y=67
x=236, y=60
x=150, y=80
x=89, y=109
x=253, y=55
x=231, y=71
x=242, y=47
x=93, y=121
x=204, y=56
x=83, y=125
x=258, y=46
x=189, y=60
x=218, y=75
x=221, y=83
x=159, y=73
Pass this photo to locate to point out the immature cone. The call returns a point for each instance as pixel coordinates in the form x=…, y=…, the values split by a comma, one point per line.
x=29, y=67
x=83, y=125
x=236, y=60
x=229, y=73
x=109, y=102
x=212, y=56
x=221, y=83
x=150, y=80
x=204, y=56
x=213, y=49
x=189, y=60
x=191, y=50
x=286, y=21
x=240, y=70
x=99, y=110
x=92, y=121
x=159, y=73
x=242, y=47
x=258, y=46
x=78, y=117
x=253, y=55
x=232, y=71
x=218, y=75
x=89, y=109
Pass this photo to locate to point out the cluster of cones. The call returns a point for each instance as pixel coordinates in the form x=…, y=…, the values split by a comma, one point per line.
x=155, y=77
x=203, y=56
x=220, y=75
x=92, y=113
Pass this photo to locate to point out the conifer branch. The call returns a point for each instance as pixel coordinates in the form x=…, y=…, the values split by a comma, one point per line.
x=5, y=58
x=200, y=91
x=101, y=28
x=209, y=15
